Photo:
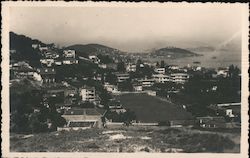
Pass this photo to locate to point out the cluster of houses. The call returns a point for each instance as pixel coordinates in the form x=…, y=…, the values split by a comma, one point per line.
x=51, y=58
x=78, y=116
x=227, y=116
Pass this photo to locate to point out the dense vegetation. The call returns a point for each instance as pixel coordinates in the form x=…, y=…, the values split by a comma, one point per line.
x=24, y=51
x=199, y=95
x=25, y=99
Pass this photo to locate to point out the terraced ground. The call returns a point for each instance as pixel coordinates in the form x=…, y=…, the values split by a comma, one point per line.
x=128, y=139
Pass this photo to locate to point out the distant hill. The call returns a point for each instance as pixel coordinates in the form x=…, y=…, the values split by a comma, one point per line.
x=94, y=49
x=173, y=52
x=202, y=49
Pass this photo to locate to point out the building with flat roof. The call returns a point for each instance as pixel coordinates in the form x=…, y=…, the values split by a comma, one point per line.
x=179, y=77
x=47, y=74
x=88, y=94
x=131, y=68
x=122, y=77
x=146, y=82
x=83, y=117
x=160, y=70
x=161, y=78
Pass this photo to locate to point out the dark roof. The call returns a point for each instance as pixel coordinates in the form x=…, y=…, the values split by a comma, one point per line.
x=82, y=111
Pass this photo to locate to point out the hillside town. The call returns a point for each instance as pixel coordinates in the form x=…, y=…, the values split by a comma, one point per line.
x=64, y=90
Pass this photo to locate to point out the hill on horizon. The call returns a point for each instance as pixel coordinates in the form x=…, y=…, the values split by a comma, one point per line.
x=173, y=52
x=93, y=49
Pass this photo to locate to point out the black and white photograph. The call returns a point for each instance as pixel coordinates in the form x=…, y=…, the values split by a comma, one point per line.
x=124, y=79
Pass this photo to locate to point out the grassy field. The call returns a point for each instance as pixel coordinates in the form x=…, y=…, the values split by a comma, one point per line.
x=128, y=139
x=152, y=109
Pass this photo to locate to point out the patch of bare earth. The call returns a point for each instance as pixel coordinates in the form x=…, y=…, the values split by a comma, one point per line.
x=127, y=139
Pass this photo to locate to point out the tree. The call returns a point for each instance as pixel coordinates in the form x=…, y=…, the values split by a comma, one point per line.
x=233, y=71
x=157, y=64
x=162, y=64
x=111, y=78
x=121, y=67
x=105, y=59
x=125, y=86
x=128, y=117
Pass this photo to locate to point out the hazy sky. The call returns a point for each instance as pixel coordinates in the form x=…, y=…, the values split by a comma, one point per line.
x=130, y=29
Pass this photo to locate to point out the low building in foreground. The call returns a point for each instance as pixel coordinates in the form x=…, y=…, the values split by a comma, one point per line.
x=82, y=118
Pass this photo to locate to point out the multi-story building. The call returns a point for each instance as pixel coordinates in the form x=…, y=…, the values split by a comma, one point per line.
x=131, y=68
x=47, y=74
x=161, y=78
x=160, y=70
x=179, y=77
x=122, y=77
x=88, y=94
x=147, y=82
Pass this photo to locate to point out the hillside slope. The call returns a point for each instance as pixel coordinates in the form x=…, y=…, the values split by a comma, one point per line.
x=93, y=49
x=173, y=52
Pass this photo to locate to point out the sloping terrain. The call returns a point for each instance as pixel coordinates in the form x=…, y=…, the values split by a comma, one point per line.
x=173, y=52
x=127, y=139
x=152, y=109
x=93, y=49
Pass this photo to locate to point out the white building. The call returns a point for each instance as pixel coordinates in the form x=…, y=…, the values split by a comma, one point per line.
x=222, y=72
x=122, y=77
x=43, y=48
x=147, y=82
x=179, y=77
x=94, y=59
x=51, y=54
x=48, y=62
x=88, y=94
x=111, y=88
x=104, y=66
x=131, y=68
x=151, y=93
x=161, y=78
x=69, y=53
x=34, y=46
x=69, y=61
x=138, y=88
x=160, y=70
x=58, y=62
x=173, y=67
